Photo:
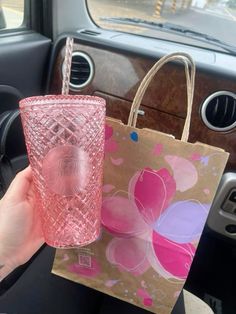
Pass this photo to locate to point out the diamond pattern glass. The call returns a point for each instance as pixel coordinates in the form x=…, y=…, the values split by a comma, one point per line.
x=65, y=143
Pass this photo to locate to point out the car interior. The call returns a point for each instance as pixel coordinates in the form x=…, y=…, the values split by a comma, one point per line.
x=116, y=42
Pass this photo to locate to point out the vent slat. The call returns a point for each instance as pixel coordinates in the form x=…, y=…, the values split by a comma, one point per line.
x=234, y=108
x=224, y=118
x=79, y=64
x=74, y=78
x=80, y=70
x=215, y=109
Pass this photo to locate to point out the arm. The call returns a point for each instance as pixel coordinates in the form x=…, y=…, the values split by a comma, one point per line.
x=20, y=229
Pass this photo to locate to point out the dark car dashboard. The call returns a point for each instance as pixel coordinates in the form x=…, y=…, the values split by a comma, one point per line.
x=113, y=65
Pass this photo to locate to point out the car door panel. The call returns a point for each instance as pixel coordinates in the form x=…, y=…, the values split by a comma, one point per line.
x=23, y=62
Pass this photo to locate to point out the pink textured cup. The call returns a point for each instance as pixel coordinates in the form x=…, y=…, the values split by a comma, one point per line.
x=65, y=143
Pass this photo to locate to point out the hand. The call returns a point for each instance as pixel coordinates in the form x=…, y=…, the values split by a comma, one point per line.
x=20, y=230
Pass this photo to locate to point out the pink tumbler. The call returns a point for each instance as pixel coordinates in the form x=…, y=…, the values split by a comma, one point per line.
x=65, y=143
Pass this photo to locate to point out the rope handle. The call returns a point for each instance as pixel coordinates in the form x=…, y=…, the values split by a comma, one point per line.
x=190, y=72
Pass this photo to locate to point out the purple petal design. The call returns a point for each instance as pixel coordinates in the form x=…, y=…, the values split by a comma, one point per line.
x=183, y=221
x=205, y=160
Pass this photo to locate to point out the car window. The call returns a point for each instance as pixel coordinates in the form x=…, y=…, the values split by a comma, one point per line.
x=11, y=14
x=206, y=21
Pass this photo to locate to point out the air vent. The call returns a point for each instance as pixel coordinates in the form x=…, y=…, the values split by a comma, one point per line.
x=90, y=32
x=82, y=70
x=219, y=111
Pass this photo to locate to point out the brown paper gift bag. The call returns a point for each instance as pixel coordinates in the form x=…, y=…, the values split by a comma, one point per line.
x=157, y=193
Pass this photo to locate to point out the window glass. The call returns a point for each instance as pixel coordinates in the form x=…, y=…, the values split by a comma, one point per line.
x=11, y=13
x=206, y=23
